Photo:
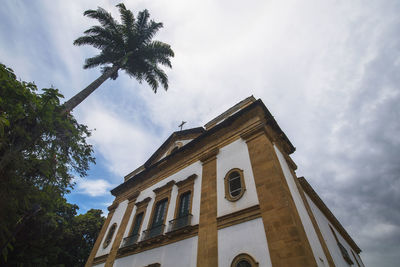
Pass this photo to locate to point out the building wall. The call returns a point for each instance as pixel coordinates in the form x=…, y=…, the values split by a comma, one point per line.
x=235, y=155
x=329, y=238
x=182, y=253
x=248, y=237
x=316, y=247
x=117, y=218
x=195, y=168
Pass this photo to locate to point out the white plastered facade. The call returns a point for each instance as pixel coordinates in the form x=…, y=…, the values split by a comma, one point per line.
x=248, y=237
x=312, y=237
x=182, y=253
x=116, y=218
x=235, y=155
x=323, y=224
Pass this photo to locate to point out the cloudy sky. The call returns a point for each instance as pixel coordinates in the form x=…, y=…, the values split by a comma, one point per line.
x=329, y=71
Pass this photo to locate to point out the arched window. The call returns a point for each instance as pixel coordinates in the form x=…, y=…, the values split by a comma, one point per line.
x=234, y=184
x=244, y=260
x=109, y=236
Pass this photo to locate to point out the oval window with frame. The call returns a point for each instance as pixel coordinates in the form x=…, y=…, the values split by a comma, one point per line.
x=234, y=184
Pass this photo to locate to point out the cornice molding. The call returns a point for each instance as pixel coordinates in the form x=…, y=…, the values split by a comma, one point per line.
x=254, y=132
x=165, y=187
x=113, y=206
x=209, y=155
x=157, y=241
x=143, y=202
x=240, y=216
x=133, y=196
x=189, y=179
x=100, y=259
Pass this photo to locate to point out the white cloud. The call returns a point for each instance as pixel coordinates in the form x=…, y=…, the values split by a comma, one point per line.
x=93, y=188
x=123, y=143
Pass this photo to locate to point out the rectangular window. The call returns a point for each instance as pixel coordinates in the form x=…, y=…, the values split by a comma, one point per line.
x=159, y=213
x=235, y=186
x=184, y=204
x=137, y=224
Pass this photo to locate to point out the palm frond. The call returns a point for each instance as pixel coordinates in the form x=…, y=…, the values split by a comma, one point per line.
x=161, y=48
x=105, y=18
x=159, y=52
x=127, y=18
x=95, y=61
x=150, y=30
x=161, y=76
x=100, y=31
x=142, y=19
x=95, y=41
x=151, y=80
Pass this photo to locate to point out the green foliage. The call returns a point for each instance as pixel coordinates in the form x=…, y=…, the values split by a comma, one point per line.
x=56, y=236
x=84, y=232
x=40, y=150
x=128, y=45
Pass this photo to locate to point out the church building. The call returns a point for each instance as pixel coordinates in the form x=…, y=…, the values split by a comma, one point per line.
x=225, y=195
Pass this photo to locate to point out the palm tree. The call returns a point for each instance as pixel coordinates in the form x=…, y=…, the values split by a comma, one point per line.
x=127, y=46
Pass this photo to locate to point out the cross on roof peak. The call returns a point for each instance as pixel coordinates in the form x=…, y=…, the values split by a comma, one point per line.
x=181, y=125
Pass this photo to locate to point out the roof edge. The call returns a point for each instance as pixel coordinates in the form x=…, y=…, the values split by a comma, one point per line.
x=327, y=212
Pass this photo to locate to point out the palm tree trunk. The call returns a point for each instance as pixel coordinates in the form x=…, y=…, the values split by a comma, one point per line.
x=79, y=97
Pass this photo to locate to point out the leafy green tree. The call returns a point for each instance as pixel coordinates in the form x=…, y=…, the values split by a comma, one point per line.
x=124, y=46
x=57, y=236
x=40, y=150
x=84, y=230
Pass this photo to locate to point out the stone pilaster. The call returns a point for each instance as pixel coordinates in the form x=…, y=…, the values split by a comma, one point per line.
x=207, y=250
x=287, y=241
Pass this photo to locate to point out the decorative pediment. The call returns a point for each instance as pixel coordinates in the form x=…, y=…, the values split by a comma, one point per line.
x=173, y=143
